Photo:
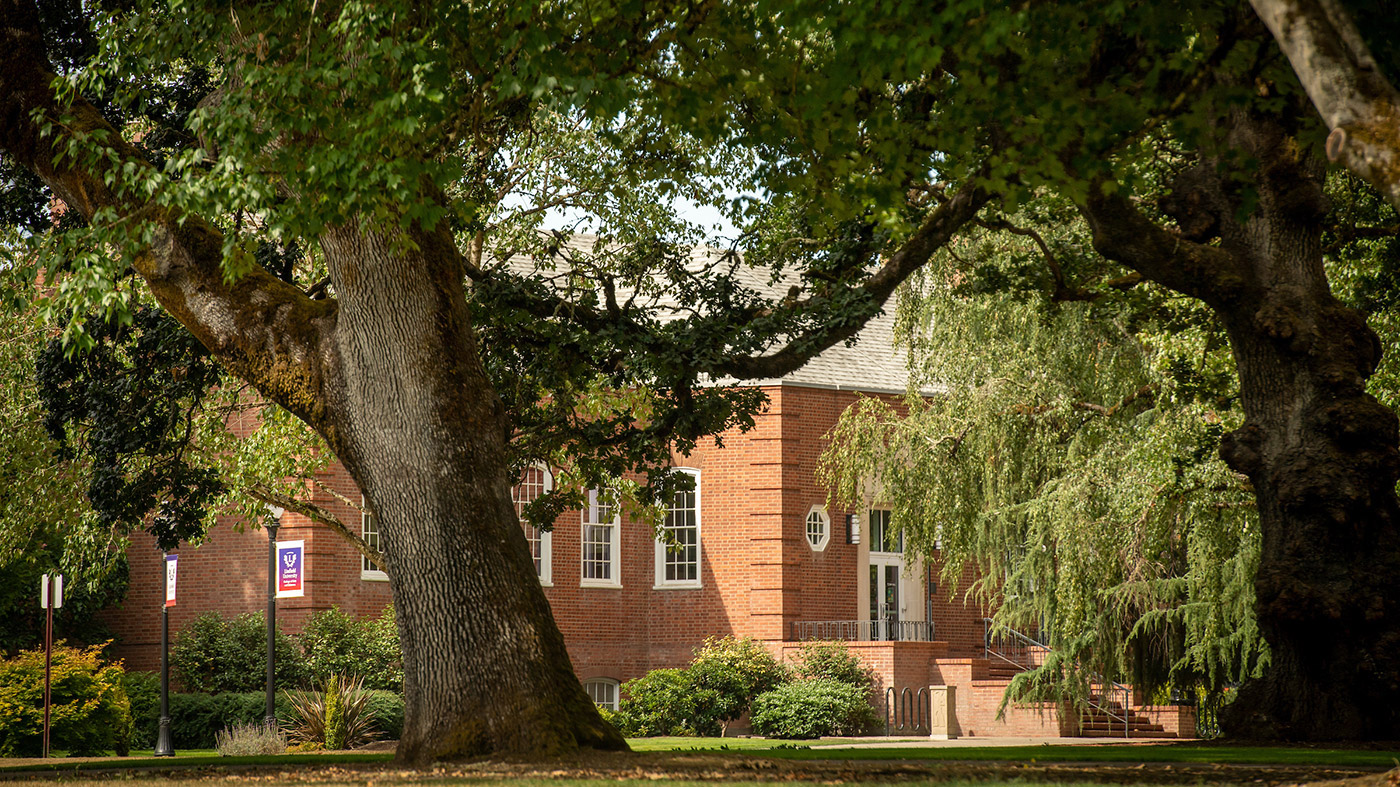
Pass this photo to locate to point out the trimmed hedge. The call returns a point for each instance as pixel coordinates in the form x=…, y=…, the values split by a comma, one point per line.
x=727, y=673
x=661, y=702
x=214, y=654
x=729, y=676
x=196, y=718
x=143, y=690
x=813, y=708
x=336, y=644
x=832, y=661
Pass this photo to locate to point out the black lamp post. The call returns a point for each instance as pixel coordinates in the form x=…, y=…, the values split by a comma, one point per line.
x=274, y=522
x=165, y=747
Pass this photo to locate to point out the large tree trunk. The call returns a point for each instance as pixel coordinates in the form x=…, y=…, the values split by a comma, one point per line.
x=389, y=374
x=420, y=428
x=1320, y=452
x=1322, y=456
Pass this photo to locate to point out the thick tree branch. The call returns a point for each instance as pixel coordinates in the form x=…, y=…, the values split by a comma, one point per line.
x=260, y=328
x=931, y=236
x=1060, y=290
x=1123, y=234
x=1336, y=69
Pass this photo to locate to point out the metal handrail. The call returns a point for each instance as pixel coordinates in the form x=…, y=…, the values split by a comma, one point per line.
x=1094, y=677
x=863, y=630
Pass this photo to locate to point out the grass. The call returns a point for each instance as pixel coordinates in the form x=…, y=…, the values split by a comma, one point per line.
x=1182, y=753
x=719, y=744
x=1106, y=753
x=200, y=757
x=1171, y=753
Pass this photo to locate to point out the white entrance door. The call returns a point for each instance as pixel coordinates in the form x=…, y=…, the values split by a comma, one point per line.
x=884, y=596
x=886, y=566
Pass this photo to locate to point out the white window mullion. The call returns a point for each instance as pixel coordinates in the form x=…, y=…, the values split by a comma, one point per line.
x=678, y=546
x=600, y=544
x=369, y=531
x=535, y=481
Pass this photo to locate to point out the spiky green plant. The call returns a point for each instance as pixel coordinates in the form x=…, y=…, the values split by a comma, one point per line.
x=337, y=717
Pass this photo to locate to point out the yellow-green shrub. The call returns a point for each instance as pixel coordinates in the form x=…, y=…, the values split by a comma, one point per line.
x=90, y=712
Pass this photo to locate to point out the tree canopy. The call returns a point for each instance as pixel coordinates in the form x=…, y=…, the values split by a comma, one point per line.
x=1061, y=438
x=407, y=150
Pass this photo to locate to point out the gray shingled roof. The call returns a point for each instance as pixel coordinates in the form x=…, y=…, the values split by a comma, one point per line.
x=872, y=364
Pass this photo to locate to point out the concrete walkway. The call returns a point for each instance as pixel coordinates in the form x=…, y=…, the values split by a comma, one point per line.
x=974, y=741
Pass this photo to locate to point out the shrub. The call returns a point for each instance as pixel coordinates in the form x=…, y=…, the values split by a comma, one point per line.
x=247, y=740
x=811, y=709
x=213, y=654
x=90, y=712
x=386, y=708
x=334, y=702
x=728, y=673
x=661, y=702
x=335, y=643
x=831, y=661
x=195, y=719
x=338, y=717
x=143, y=691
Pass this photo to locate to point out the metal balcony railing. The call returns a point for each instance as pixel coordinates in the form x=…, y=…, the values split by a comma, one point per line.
x=863, y=630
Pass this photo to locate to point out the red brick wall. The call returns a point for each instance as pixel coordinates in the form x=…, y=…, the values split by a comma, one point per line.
x=758, y=572
x=228, y=574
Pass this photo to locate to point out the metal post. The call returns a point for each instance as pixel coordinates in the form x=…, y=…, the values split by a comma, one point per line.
x=48, y=661
x=165, y=747
x=271, y=718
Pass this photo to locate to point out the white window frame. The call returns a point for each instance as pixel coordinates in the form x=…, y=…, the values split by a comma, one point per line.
x=661, y=547
x=614, y=543
x=614, y=685
x=877, y=544
x=546, y=569
x=369, y=532
x=820, y=544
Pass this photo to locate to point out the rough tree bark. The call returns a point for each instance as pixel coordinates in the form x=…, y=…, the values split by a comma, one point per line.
x=1360, y=106
x=1321, y=453
x=389, y=373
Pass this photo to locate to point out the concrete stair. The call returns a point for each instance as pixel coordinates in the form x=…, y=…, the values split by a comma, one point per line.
x=1104, y=721
x=1107, y=721
x=1001, y=670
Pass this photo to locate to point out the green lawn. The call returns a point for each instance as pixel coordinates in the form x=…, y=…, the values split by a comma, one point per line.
x=827, y=750
x=199, y=757
x=1161, y=753
x=1172, y=753
x=719, y=744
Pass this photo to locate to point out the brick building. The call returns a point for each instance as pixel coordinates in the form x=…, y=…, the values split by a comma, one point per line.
x=762, y=557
